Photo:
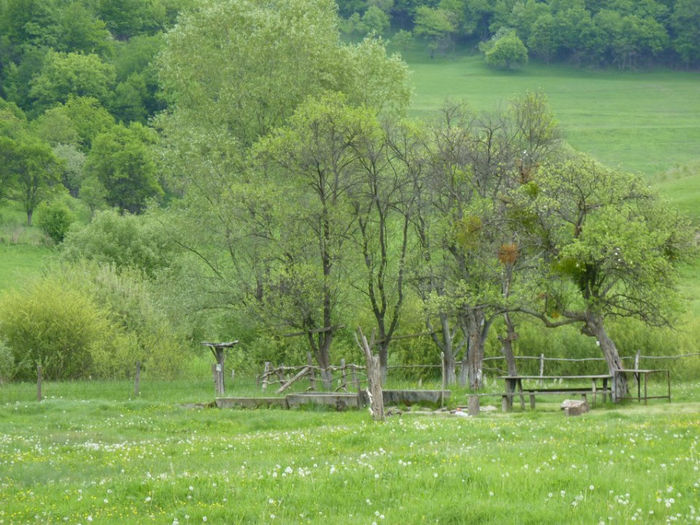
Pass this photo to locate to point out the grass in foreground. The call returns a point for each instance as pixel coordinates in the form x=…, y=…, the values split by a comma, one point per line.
x=148, y=460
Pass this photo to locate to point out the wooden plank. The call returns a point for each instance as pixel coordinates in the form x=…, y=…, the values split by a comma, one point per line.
x=293, y=380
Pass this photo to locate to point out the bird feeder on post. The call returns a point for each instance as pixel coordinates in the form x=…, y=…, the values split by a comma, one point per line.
x=217, y=349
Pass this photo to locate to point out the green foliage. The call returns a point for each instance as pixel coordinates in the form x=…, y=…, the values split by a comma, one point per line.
x=505, y=51
x=54, y=219
x=129, y=304
x=7, y=363
x=125, y=241
x=66, y=74
x=121, y=159
x=73, y=161
x=616, y=243
x=59, y=328
x=219, y=66
x=32, y=168
x=436, y=26
x=375, y=20
x=77, y=122
x=685, y=22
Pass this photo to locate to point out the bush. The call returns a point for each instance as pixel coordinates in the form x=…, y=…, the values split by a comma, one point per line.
x=59, y=328
x=126, y=241
x=505, y=50
x=7, y=363
x=54, y=219
x=130, y=305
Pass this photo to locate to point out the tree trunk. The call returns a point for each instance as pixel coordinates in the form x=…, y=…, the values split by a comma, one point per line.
x=29, y=217
x=507, y=346
x=446, y=346
x=595, y=327
x=475, y=328
x=383, y=362
x=321, y=350
x=450, y=364
x=374, y=390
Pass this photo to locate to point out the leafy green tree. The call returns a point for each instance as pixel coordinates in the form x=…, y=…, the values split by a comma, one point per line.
x=66, y=74
x=12, y=123
x=401, y=40
x=122, y=241
x=57, y=327
x=73, y=161
x=436, y=26
x=505, y=51
x=20, y=76
x=382, y=201
x=80, y=31
x=121, y=159
x=223, y=72
x=129, y=100
x=55, y=127
x=88, y=117
x=525, y=14
x=375, y=20
x=33, y=168
x=610, y=251
x=312, y=161
x=685, y=22
x=542, y=41
x=128, y=18
x=28, y=23
x=54, y=219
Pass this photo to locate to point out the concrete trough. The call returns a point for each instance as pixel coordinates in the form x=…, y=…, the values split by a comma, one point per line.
x=414, y=397
x=251, y=402
x=336, y=400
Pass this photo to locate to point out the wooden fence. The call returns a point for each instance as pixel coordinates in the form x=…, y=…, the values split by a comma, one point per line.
x=356, y=375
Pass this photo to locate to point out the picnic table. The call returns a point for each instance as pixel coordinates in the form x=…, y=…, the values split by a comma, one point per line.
x=645, y=373
x=542, y=385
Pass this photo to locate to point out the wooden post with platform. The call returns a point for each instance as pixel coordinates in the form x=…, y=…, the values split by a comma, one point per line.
x=217, y=349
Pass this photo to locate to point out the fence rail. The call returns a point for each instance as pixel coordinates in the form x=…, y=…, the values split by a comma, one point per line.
x=353, y=374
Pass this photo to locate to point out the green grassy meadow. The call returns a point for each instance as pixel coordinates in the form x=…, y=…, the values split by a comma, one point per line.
x=645, y=122
x=88, y=453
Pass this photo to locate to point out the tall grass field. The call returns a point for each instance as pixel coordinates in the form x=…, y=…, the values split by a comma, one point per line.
x=89, y=454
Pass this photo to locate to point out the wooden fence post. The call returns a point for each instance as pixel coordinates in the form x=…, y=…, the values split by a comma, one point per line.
x=343, y=376
x=38, y=382
x=218, y=373
x=374, y=377
x=266, y=375
x=312, y=371
x=137, y=379
x=442, y=389
x=355, y=380
x=541, y=369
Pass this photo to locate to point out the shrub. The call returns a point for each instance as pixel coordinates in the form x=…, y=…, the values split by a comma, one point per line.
x=123, y=240
x=54, y=219
x=7, y=363
x=505, y=50
x=129, y=304
x=60, y=328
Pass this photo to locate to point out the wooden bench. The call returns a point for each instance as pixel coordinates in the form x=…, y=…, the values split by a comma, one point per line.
x=514, y=386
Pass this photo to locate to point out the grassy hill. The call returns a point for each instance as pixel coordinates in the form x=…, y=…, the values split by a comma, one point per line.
x=646, y=122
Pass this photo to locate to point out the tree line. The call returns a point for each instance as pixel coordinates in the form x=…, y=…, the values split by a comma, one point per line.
x=282, y=191
x=620, y=33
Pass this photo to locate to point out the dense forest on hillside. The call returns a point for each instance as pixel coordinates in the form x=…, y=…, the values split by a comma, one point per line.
x=620, y=33
x=202, y=178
